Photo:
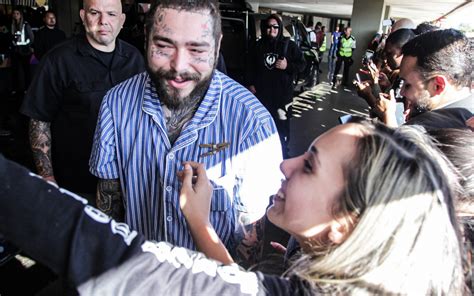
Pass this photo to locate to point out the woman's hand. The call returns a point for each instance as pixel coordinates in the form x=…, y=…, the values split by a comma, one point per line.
x=196, y=192
x=195, y=202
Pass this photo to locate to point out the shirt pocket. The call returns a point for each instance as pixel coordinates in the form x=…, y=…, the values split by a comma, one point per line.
x=221, y=199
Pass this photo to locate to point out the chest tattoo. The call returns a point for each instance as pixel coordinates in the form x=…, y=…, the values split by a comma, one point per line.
x=176, y=118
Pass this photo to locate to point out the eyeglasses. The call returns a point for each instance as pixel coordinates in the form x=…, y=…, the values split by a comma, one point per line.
x=276, y=27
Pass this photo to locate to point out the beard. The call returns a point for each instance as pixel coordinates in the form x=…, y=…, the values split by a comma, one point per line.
x=171, y=96
x=422, y=104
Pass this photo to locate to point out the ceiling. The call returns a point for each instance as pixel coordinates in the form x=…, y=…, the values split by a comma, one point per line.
x=418, y=10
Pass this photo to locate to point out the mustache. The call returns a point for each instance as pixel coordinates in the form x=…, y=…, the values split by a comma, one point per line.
x=173, y=74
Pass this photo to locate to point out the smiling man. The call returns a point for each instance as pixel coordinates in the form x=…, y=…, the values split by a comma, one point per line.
x=182, y=109
x=64, y=97
x=437, y=72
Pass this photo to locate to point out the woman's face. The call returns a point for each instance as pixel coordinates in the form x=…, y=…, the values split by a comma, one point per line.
x=16, y=15
x=313, y=183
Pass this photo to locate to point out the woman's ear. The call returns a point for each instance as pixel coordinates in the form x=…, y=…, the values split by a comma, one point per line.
x=337, y=233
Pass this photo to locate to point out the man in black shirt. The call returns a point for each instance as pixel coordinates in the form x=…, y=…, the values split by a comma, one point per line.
x=48, y=36
x=64, y=98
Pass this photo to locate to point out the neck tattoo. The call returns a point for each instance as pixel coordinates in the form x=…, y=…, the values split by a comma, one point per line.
x=176, y=118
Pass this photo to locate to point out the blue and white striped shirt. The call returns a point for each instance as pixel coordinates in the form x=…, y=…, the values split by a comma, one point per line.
x=131, y=144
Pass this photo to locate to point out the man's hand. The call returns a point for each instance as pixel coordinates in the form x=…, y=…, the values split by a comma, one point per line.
x=281, y=64
x=364, y=90
x=109, y=199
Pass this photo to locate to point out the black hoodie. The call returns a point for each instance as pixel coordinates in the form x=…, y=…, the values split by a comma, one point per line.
x=274, y=86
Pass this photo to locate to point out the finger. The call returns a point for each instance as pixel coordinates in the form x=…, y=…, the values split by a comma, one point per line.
x=383, y=96
x=392, y=95
x=278, y=247
x=187, y=174
x=201, y=175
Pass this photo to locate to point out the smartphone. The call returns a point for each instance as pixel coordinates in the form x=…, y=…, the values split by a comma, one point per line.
x=387, y=22
x=368, y=56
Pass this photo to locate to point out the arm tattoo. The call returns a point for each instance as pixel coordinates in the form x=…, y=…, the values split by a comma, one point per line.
x=40, y=141
x=249, y=249
x=109, y=199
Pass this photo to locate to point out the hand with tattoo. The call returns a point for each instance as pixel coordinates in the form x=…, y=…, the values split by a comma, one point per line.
x=40, y=141
x=109, y=199
x=249, y=251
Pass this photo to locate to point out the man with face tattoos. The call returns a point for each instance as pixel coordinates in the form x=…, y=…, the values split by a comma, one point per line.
x=64, y=97
x=183, y=109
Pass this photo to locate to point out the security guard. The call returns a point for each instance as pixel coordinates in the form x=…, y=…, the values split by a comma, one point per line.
x=347, y=44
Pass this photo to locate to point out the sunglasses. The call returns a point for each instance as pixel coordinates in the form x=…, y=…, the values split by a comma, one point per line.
x=273, y=26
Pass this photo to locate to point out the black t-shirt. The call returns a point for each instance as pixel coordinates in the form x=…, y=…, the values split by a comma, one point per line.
x=67, y=91
x=105, y=57
x=45, y=39
x=103, y=257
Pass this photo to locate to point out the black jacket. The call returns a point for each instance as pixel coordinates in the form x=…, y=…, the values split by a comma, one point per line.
x=274, y=86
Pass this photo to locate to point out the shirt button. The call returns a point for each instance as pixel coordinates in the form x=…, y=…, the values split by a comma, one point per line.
x=169, y=218
x=168, y=188
x=171, y=156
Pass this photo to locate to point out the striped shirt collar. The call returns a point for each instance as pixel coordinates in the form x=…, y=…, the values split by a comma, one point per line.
x=204, y=116
x=207, y=110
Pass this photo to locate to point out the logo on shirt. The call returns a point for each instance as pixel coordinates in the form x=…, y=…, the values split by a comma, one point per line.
x=270, y=60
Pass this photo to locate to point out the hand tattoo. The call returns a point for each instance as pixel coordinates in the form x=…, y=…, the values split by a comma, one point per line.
x=109, y=199
x=40, y=141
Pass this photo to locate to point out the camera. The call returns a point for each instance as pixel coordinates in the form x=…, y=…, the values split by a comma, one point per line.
x=367, y=58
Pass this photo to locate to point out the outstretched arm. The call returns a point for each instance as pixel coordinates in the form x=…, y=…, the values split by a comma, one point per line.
x=58, y=228
x=40, y=141
x=195, y=202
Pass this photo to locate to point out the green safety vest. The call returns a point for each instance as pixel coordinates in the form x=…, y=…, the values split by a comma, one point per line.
x=323, y=46
x=346, y=47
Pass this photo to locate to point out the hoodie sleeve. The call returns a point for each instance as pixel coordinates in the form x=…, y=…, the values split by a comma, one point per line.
x=295, y=59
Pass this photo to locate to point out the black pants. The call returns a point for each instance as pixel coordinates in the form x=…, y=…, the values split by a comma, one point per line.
x=21, y=72
x=345, y=74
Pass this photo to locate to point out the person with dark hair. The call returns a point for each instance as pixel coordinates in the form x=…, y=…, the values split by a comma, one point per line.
x=48, y=36
x=371, y=207
x=22, y=43
x=183, y=109
x=425, y=27
x=437, y=72
x=393, y=53
x=276, y=60
x=394, y=44
x=346, y=45
x=64, y=97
